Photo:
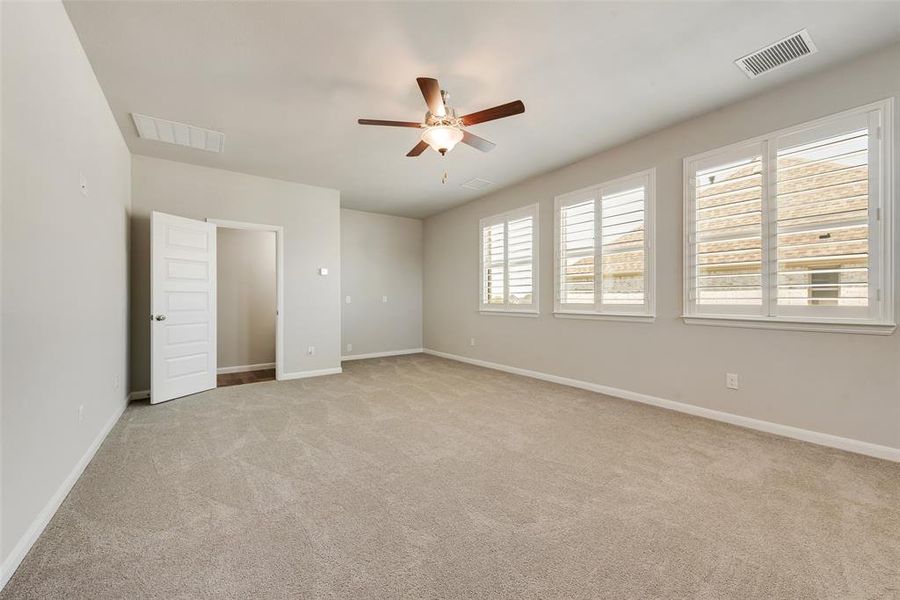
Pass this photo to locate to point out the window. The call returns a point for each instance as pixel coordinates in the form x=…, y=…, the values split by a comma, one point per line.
x=603, y=259
x=509, y=250
x=792, y=228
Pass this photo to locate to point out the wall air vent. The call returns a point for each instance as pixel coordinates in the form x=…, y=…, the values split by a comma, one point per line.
x=477, y=184
x=171, y=132
x=783, y=52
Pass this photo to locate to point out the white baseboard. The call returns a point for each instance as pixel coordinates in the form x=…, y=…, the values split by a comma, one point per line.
x=814, y=437
x=383, y=354
x=313, y=373
x=245, y=368
x=33, y=532
x=144, y=394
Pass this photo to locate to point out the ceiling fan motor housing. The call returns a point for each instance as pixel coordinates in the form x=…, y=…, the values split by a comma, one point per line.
x=450, y=119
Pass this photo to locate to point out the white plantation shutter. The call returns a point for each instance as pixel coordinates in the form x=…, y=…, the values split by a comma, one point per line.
x=726, y=237
x=823, y=219
x=576, y=254
x=509, y=261
x=520, y=260
x=603, y=259
x=622, y=250
x=493, y=241
x=791, y=227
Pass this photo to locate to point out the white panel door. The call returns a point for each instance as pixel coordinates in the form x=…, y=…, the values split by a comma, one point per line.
x=182, y=307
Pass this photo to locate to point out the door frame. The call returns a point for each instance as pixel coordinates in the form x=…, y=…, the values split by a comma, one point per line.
x=279, y=282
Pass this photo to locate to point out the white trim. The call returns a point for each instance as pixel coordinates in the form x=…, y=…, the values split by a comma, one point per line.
x=506, y=312
x=595, y=193
x=597, y=316
x=864, y=327
x=880, y=319
x=313, y=373
x=382, y=354
x=813, y=437
x=34, y=531
x=279, y=283
x=244, y=368
x=534, y=211
x=138, y=395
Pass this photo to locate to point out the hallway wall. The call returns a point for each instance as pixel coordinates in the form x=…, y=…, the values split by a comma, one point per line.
x=246, y=297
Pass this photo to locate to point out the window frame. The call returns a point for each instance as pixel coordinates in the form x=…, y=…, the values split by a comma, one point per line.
x=600, y=310
x=520, y=310
x=769, y=315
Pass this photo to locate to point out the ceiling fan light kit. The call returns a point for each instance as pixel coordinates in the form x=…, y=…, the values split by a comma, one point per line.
x=443, y=129
x=442, y=138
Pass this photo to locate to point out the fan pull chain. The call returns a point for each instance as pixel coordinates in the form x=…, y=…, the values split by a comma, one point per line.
x=444, y=178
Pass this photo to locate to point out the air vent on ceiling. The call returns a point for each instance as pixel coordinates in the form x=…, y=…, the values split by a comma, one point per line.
x=782, y=52
x=477, y=184
x=181, y=134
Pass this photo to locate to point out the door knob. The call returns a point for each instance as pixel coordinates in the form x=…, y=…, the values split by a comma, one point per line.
x=160, y=317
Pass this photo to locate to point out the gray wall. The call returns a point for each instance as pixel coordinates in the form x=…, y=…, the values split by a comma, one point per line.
x=65, y=271
x=846, y=385
x=245, y=331
x=380, y=256
x=311, y=220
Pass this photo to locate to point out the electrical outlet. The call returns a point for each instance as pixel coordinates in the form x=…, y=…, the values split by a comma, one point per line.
x=348, y=300
x=384, y=298
x=310, y=350
x=471, y=341
x=80, y=413
x=731, y=381
x=116, y=383
x=349, y=347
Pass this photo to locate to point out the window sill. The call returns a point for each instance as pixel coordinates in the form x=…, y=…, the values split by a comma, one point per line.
x=509, y=313
x=786, y=324
x=630, y=317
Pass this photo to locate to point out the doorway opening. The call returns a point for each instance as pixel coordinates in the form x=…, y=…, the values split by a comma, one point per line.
x=249, y=307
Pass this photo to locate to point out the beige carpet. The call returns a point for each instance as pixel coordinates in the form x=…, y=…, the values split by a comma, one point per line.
x=418, y=477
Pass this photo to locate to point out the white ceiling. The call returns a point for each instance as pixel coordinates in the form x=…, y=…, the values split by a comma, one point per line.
x=286, y=81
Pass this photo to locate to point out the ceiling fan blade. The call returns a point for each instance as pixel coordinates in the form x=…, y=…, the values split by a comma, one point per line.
x=417, y=149
x=477, y=142
x=497, y=112
x=431, y=90
x=389, y=123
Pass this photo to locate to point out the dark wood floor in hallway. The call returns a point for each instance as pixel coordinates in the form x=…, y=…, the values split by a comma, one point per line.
x=226, y=379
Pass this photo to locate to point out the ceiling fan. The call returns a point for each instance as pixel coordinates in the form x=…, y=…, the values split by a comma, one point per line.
x=442, y=128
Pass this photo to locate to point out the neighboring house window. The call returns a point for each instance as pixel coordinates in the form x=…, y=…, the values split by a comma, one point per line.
x=604, y=256
x=509, y=256
x=792, y=227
